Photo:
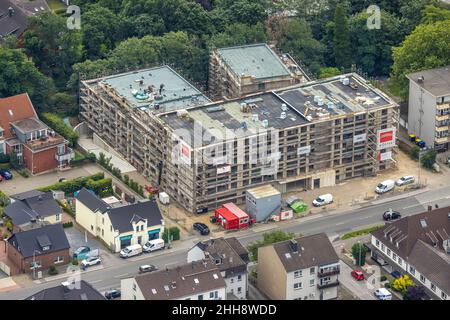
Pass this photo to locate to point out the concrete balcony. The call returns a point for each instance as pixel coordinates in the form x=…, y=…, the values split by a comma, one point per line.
x=327, y=284
x=328, y=273
x=66, y=156
x=443, y=117
x=441, y=140
x=443, y=106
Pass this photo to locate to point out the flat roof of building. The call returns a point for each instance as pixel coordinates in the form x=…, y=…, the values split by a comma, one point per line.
x=255, y=60
x=290, y=107
x=263, y=191
x=158, y=89
x=436, y=81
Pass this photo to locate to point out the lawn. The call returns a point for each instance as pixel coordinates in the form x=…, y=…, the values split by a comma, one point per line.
x=56, y=5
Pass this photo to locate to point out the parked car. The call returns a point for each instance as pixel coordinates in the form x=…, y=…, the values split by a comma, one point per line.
x=405, y=180
x=358, y=275
x=1, y=178
x=6, y=174
x=131, y=251
x=396, y=274
x=153, y=245
x=91, y=261
x=81, y=253
x=383, y=294
x=62, y=180
x=385, y=186
x=201, y=227
x=112, y=294
x=391, y=215
x=147, y=268
x=323, y=200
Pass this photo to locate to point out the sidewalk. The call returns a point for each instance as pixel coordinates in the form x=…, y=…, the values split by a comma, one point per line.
x=8, y=284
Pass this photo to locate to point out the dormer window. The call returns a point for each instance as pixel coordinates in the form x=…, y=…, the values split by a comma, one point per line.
x=46, y=248
x=218, y=261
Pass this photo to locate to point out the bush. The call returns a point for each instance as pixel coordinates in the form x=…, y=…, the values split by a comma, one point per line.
x=402, y=284
x=91, y=157
x=24, y=173
x=174, y=234
x=429, y=159
x=414, y=152
x=387, y=285
x=57, y=124
x=52, y=270
x=68, y=224
x=4, y=199
x=99, y=186
x=4, y=158
x=74, y=262
x=70, y=186
x=360, y=232
x=383, y=278
x=5, y=236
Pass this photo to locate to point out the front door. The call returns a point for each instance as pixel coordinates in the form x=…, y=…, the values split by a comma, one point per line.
x=139, y=240
x=316, y=183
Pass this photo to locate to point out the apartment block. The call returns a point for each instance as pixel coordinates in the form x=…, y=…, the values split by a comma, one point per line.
x=238, y=71
x=205, y=154
x=306, y=268
x=418, y=245
x=429, y=106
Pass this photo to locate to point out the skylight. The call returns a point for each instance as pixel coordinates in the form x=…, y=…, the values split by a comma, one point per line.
x=154, y=291
x=166, y=287
x=288, y=255
x=423, y=223
x=215, y=276
x=196, y=281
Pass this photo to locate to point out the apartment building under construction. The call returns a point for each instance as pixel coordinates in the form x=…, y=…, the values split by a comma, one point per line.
x=204, y=154
x=239, y=71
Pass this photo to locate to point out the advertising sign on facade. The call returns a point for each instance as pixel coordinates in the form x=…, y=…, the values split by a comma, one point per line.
x=385, y=156
x=304, y=150
x=224, y=169
x=185, y=152
x=385, y=138
x=359, y=138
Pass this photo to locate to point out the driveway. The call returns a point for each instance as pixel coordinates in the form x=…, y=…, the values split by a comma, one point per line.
x=360, y=289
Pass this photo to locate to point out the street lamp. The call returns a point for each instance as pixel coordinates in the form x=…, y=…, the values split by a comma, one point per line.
x=34, y=262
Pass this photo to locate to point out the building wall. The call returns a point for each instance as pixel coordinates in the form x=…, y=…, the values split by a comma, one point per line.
x=46, y=260
x=237, y=285
x=41, y=161
x=272, y=278
x=86, y=218
x=427, y=132
x=261, y=208
x=412, y=271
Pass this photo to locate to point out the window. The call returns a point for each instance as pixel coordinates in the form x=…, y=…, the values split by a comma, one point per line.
x=388, y=252
x=103, y=233
x=103, y=220
x=311, y=283
x=377, y=243
x=433, y=287
x=297, y=286
x=239, y=289
x=394, y=256
x=382, y=247
x=412, y=270
x=400, y=261
x=58, y=259
x=211, y=295
x=239, y=277
x=422, y=278
x=58, y=217
x=231, y=280
x=298, y=274
x=443, y=295
x=92, y=227
x=216, y=294
x=312, y=270
x=134, y=286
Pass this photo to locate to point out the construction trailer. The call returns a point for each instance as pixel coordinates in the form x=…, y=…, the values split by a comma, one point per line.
x=261, y=202
x=231, y=217
x=319, y=134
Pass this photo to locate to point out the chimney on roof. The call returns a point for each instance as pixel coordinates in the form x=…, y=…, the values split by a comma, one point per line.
x=293, y=245
x=430, y=208
x=10, y=11
x=436, y=206
x=174, y=284
x=421, y=79
x=66, y=286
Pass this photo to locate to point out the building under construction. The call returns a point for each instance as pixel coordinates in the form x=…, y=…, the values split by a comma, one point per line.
x=204, y=154
x=239, y=71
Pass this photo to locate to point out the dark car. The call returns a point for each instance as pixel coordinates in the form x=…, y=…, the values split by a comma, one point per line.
x=391, y=215
x=81, y=253
x=112, y=294
x=6, y=174
x=202, y=228
x=396, y=274
x=62, y=180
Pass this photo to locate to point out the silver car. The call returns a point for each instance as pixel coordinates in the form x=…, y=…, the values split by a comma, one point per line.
x=405, y=180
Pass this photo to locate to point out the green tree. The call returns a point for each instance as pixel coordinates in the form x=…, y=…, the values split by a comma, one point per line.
x=238, y=34
x=19, y=75
x=429, y=159
x=427, y=47
x=268, y=238
x=359, y=252
x=327, y=72
x=341, y=41
x=431, y=14
x=414, y=152
x=402, y=284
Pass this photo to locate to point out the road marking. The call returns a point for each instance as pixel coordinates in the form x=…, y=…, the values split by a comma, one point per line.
x=121, y=275
x=340, y=223
x=96, y=281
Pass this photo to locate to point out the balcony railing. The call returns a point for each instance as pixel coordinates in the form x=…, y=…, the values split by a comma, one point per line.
x=66, y=156
x=328, y=272
x=328, y=284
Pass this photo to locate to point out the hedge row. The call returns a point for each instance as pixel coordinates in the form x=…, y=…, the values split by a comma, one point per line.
x=70, y=186
x=58, y=124
x=174, y=234
x=361, y=232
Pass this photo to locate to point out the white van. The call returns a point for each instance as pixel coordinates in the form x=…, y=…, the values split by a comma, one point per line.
x=383, y=294
x=385, y=186
x=323, y=200
x=131, y=251
x=153, y=245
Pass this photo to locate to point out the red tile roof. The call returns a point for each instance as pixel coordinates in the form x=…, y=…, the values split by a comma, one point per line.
x=13, y=109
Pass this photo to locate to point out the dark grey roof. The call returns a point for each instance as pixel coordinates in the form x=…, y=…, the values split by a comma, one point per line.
x=11, y=25
x=122, y=217
x=29, y=125
x=185, y=280
x=85, y=291
x=314, y=250
x=223, y=250
x=90, y=200
x=27, y=194
x=26, y=242
x=418, y=239
x=33, y=205
x=436, y=81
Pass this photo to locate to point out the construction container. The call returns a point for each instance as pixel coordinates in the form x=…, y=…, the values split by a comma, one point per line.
x=230, y=216
x=164, y=198
x=299, y=206
x=262, y=202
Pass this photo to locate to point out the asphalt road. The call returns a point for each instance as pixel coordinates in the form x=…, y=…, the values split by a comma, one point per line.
x=332, y=223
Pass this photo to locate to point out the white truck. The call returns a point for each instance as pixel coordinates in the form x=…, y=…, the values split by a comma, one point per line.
x=131, y=251
x=385, y=186
x=164, y=198
x=153, y=245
